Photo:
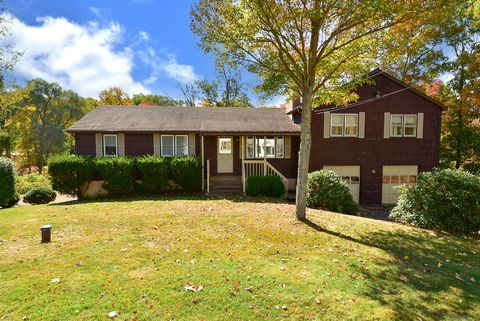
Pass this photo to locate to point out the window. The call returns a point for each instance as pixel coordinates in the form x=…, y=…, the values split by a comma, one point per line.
x=265, y=147
x=167, y=145
x=344, y=125
x=337, y=125
x=110, y=145
x=250, y=148
x=410, y=125
x=225, y=145
x=181, y=145
x=351, y=125
x=280, y=147
x=403, y=126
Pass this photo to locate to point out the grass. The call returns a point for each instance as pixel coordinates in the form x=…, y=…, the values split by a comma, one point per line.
x=252, y=258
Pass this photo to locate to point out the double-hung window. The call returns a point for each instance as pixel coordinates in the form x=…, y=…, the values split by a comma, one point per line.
x=250, y=147
x=168, y=146
x=110, y=145
x=344, y=125
x=181, y=145
x=403, y=125
x=280, y=146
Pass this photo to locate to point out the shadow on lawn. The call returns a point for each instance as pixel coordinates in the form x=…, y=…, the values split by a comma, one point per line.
x=430, y=276
x=176, y=197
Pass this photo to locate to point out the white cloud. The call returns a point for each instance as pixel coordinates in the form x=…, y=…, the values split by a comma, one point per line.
x=166, y=64
x=86, y=58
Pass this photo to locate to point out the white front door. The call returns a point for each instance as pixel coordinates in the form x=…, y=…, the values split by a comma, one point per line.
x=225, y=155
x=394, y=176
x=351, y=176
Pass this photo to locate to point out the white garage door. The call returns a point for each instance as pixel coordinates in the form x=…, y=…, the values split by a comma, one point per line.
x=351, y=176
x=394, y=176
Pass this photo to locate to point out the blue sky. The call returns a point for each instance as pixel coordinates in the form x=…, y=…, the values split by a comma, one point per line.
x=139, y=45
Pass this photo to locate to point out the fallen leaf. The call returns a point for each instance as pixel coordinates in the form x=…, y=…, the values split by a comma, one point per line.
x=112, y=314
x=458, y=277
x=193, y=288
x=55, y=280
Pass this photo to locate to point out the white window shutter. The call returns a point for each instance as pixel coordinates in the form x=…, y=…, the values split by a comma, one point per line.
x=386, y=125
x=288, y=147
x=156, y=144
x=420, y=125
x=326, y=125
x=99, y=144
x=191, y=144
x=121, y=144
x=361, y=125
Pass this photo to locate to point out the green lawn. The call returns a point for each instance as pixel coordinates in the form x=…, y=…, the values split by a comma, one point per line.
x=253, y=260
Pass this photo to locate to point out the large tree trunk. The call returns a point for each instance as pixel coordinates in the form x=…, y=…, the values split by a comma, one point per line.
x=304, y=156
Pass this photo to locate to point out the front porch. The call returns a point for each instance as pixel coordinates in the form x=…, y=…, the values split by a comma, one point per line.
x=229, y=160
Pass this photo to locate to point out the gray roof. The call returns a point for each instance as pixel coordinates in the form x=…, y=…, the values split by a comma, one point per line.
x=185, y=119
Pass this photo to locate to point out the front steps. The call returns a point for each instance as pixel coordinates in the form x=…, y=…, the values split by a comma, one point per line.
x=226, y=185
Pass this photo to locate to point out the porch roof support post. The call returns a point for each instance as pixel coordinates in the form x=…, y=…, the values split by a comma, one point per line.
x=242, y=154
x=264, y=155
x=203, y=163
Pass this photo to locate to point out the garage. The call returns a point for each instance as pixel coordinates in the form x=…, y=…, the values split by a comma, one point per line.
x=394, y=176
x=351, y=176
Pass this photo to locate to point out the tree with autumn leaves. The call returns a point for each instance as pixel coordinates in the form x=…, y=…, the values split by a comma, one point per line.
x=319, y=50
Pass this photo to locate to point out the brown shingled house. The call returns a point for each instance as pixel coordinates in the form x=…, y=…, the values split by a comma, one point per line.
x=385, y=139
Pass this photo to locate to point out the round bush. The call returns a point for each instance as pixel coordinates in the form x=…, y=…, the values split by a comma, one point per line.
x=39, y=196
x=447, y=200
x=327, y=191
x=69, y=173
x=8, y=193
x=118, y=173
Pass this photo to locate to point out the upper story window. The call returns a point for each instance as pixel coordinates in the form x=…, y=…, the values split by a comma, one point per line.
x=110, y=145
x=265, y=147
x=174, y=145
x=403, y=125
x=344, y=125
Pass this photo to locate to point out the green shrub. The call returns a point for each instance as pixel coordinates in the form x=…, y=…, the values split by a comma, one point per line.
x=187, y=172
x=40, y=196
x=265, y=186
x=33, y=180
x=8, y=193
x=446, y=200
x=155, y=171
x=327, y=191
x=69, y=173
x=118, y=173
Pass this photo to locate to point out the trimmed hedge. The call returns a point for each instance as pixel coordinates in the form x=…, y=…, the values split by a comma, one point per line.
x=40, y=196
x=327, y=191
x=69, y=173
x=155, y=171
x=8, y=193
x=265, y=186
x=447, y=200
x=118, y=173
x=187, y=172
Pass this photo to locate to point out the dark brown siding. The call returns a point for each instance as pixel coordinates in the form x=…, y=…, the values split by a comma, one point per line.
x=138, y=144
x=374, y=151
x=288, y=166
x=85, y=144
x=211, y=153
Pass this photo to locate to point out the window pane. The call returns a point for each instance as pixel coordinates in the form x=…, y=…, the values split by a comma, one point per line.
x=410, y=120
x=397, y=130
x=225, y=145
x=182, y=145
x=110, y=141
x=355, y=180
x=167, y=145
x=337, y=120
x=250, y=148
x=386, y=179
x=270, y=147
x=404, y=179
x=110, y=151
x=397, y=120
x=280, y=147
x=394, y=180
x=259, y=147
x=410, y=131
x=337, y=124
x=412, y=179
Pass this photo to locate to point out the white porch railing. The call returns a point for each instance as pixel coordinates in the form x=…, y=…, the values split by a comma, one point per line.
x=260, y=168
